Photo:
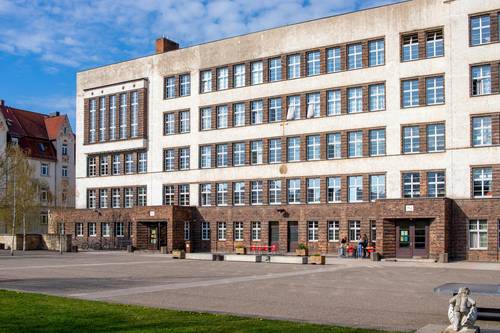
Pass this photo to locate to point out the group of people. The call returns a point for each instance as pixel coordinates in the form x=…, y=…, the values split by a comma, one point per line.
x=361, y=250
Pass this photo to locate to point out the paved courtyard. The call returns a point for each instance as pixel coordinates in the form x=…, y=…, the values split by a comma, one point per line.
x=396, y=296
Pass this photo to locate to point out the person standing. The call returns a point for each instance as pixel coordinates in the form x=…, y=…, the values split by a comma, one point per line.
x=342, y=249
x=365, y=245
x=360, y=248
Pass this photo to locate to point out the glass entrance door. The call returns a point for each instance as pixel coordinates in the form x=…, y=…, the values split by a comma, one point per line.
x=404, y=243
x=153, y=236
x=412, y=238
x=293, y=236
x=274, y=234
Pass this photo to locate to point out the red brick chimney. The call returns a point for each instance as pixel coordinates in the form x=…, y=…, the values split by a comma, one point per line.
x=165, y=45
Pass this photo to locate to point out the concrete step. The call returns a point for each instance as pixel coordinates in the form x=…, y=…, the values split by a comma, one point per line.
x=201, y=256
x=288, y=260
x=243, y=257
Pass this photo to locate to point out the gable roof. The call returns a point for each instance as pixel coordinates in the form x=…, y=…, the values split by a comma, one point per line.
x=53, y=126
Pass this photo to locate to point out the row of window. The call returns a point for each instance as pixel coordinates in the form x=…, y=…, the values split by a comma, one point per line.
x=117, y=164
x=411, y=45
x=127, y=197
x=118, y=229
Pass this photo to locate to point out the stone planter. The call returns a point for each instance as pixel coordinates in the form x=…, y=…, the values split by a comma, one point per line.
x=317, y=260
x=301, y=252
x=241, y=250
x=179, y=254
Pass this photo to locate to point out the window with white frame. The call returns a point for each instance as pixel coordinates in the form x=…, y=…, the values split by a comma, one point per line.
x=119, y=229
x=112, y=117
x=222, y=116
x=102, y=119
x=221, y=231
x=64, y=149
x=184, y=195
x=411, y=139
x=257, y=73
x=333, y=60
x=142, y=196
x=205, y=230
x=274, y=151
x=410, y=47
x=168, y=123
x=435, y=138
x=184, y=159
x=79, y=229
x=377, y=142
x=293, y=111
x=206, y=81
x=64, y=171
x=92, y=120
x=256, y=152
x=435, y=90
x=478, y=234
x=354, y=55
x=256, y=231
x=354, y=230
x=274, y=69
x=256, y=192
x=105, y=229
x=355, y=100
x=481, y=131
x=91, y=199
x=187, y=230
x=184, y=123
x=104, y=169
x=205, y=194
x=44, y=169
x=128, y=197
x=142, y=163
x=239, y=76
x=333, y=102
x=115, y=198
x=377, y=187
x=313, y=63
x=376, y=97
x=92, y=229
x=333, y=189
x=103, y=198
x=238, y=154
x=313, y=190
x=482, y=182
x=333, y=231
x=293, y=191
x=222, y=158
x=170, y=87
x=480, y=29
x=312, y=231
x=436, y=187
x=239, y=193
x=275, y=109
x=373, y=231
x=168, y=194
x=293, y=66
x=293, y=149
x=222, y=199
x=355, y=188
x=434, y=46
x=313, y=147
x=411, y=185
x=355, y=142
x=411, y=96
x=256, y=112
x=205, y=157
x=44, y=195
x=238, y=114
x=116, y=168
x=238, y=231
x=313, y=105
x=134, y=114
x=333, y=142
x=376, y=52
x=275, y=192
x=481, y=80
x=123, y=116
x=206, y=118
x=129, y=163
x=168, y=159
x=222, y=78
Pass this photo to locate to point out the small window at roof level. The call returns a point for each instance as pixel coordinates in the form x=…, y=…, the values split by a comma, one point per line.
x=41, y=147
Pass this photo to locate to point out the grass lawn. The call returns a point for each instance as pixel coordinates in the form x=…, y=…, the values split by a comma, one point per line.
x=25, y=312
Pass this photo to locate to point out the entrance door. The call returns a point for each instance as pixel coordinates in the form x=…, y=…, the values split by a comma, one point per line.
x=293, y=236
x=274, y=234
x=412, y=239
x=153, y=243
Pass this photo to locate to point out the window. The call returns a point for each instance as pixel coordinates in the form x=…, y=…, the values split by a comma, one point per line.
x=222, y=116
x=168, y=194
x=377, y=142
x=411, y=96
x=313, y=63
x=333, y=189
x=134, y=114
x=411, y=185
x=480, y=30
x=293, y=111
x=478, y=234
x=293, y=66
x=112, y=117
x=355, y=144
x=142, y=196
x=238, y=154
x=92, y=229
x=256, y=152
x=293, y=149
x=222, y=194
x=119, y=229
x=238, y=231
x=239, y=114
x=481, y=131
x=142, y=165
x=274, y=151
x=275, y=109
x=206, y=119
x=115, y=198
x=373, y=230
x=312, y=105
x=129, y=198
x=275, y=192
x=184, y=122
x=105, y=229
x=91, y=166
x=435, y=90
x=434, y=46
x=79, y=229
x=313, y=190
x=102, y=119
x=355, y=188
x=104, y=170
x=239, y=194
x=354, y=54
x=206, y=81
x=44, y=169
x=257, y=115
x=376, y=97
x=377, y=187
x=205, y=157
x=482, y=182
x=313, y=147
x=44, y=195
x=257, y=73
x=184, y=195
x=239, y=76
x=222, y=158
x=294, y=191
x=123, y=116
x=256, y=231
x=333, y=102
x=170, y=87
x=205, y=230
x=103, y=198
x=116, y=168
x=354, y=230
x=206, y=194
x=221, y=231
x=333, y=231
x=333, y=146
x=410, y=48
x=169, y=123
x=184, y=163
x=411, y=139
x=274, y=69
x=435, y=138
x=222, y=78
x=169, y=159
x=256, y=192
x=377, y=52
x=92, y=120
x=129, y=163
x=64, y=171
x=333, y=60
x=312, y=231
x=355, y=100
x=481, y=80
x=435, y=184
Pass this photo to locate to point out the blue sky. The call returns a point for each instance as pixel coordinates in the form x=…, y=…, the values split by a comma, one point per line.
x=44, y=43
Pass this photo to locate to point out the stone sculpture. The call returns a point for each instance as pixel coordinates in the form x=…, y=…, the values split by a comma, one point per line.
x=462, y=312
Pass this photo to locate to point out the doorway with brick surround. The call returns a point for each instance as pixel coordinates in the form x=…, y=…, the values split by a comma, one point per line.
x=151, y=235
x=292, y=236
x=412, y=238
x=274, y=234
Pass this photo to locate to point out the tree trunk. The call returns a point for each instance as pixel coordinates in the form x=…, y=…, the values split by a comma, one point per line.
x=24, y=232
x=13, y=219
